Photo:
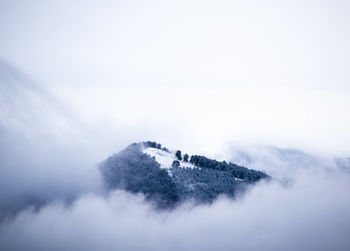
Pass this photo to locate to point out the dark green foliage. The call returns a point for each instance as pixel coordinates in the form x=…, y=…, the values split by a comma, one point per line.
x=178, y=155
x=237, y=171
x=151, y=144
x=137, y=172
x=192, y=159
x=155, y=145
x=176, y=164
x=186, y=157
x=204, y=185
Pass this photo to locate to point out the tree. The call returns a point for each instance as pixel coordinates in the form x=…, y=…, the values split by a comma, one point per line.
x=175, y=164
x=186, y=157
x=192, y=159
x=165, y=149
x=178, y=155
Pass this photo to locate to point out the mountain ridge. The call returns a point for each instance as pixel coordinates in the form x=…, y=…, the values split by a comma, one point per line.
x=167, y=179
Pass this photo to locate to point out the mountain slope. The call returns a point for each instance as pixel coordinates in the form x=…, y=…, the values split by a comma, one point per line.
x=167, y=179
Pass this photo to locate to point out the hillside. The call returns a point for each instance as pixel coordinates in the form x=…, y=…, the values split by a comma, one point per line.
x=168, y=178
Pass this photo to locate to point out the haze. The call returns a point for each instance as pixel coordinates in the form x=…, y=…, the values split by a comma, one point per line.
x=245, y=81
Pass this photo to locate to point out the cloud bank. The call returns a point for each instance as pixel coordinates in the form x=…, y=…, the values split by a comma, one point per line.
x=271, y=72
x=52, y=199
x=192, y=75
x=310, y=214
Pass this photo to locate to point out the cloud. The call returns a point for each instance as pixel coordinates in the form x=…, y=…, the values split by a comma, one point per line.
x=48, y=151
x=39, y=135
x=51, y=197
x=192, y=76
x=311, y=214
x=271, y=72
x=282, y=163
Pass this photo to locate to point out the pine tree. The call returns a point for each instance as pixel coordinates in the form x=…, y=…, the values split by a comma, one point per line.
x=178, y=155
x=186, y=157
x=176, y=164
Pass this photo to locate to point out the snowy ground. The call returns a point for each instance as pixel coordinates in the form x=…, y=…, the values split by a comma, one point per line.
x=164, y=158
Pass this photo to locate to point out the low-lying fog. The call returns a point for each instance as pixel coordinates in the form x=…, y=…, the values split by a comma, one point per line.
x=52, y=196
x=264, y=84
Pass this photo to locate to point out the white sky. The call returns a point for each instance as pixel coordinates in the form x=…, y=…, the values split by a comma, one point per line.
x=193, y=72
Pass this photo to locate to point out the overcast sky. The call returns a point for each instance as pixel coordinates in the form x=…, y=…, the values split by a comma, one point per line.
x=192, y=74
x=80, y=80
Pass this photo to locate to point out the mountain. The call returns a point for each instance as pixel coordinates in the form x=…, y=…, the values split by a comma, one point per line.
x=284, y=163
x=168, y=178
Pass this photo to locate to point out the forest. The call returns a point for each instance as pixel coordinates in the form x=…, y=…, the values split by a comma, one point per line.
x=137, y=172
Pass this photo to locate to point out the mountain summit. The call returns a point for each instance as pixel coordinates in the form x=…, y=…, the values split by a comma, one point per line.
x=168, y=178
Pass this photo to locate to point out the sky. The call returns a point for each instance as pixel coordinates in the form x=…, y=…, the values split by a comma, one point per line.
x=211, y=73
x=262, y=83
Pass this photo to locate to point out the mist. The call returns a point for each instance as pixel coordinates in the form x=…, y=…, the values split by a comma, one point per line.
x=311, y=214
x=52, y=196
x=261, y=84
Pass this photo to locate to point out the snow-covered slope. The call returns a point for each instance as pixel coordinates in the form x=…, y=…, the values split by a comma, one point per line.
x=165, y=159
x=142, y=168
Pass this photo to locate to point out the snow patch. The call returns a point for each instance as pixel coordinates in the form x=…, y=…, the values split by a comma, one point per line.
x=165, y=159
